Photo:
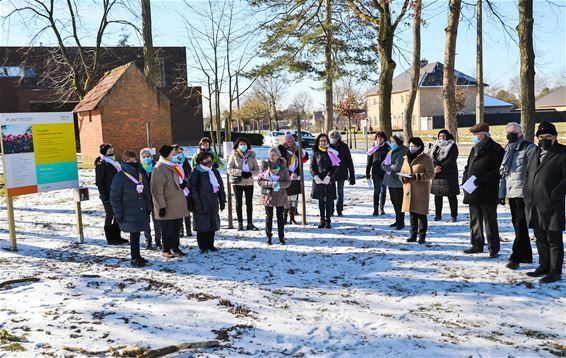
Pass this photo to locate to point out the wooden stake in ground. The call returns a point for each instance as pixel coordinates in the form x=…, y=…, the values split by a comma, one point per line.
x=303, y=203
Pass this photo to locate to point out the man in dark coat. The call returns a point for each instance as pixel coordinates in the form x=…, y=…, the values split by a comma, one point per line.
x=374, y=172
x=345, y=170
x=544, y=193
x=444, y=153
x=105, y=167
x=483, y=162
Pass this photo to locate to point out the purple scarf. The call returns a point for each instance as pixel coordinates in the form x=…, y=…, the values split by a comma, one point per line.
x=387, y=160
x=334, y=158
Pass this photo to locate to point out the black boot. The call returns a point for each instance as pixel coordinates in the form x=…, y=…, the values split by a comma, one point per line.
x=292, y=215
x=422, y=239
x=117, y=235
x=413, y=238
x=240, y=225
x=251, y=227
x=286, y=215
x=322, y=224
x=375, y=211
x=327, y=223
x=269, y=240
x=281, y=239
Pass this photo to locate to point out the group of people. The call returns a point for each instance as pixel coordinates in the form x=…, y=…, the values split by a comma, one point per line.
x=530, y=178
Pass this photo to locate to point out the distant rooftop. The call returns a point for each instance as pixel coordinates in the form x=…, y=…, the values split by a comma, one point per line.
x=554, y=99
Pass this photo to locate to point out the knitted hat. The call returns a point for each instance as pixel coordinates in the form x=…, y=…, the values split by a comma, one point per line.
x=289, y=136
x=480, y=127
x=546, y=128
x=398, y=138
x=104, y=148
x=145, y=150
x=165, y=150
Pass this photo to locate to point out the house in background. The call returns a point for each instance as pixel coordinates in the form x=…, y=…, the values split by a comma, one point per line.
x=428, y=101
x=125, y=109
x=26, y=83
x=554, y=101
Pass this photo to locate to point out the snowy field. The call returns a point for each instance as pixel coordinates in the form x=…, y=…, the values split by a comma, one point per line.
x=357, y=290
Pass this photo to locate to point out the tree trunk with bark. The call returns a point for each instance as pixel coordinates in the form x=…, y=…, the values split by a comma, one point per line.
x=385, y=87
x=408, y=117
x=150, y=67
x=329, y=69
x=479, y=65
x=449, y=80
x=527, y=55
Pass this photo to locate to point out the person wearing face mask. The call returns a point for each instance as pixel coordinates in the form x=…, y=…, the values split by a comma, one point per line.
x=208, y=192
x=345, y=170
x=484, y=162
x=180, y=159
x=204, y=146
x=444, y=153
x=417, y=172
x=324, y=166
x=391, y=165
x=242, y=167
x=512, y=170
x=105, y=168
x=544, y=193
x=290, y=152
x=376, y=155
x=131, y=202
x=273, y=180
x=169, y=191
x=148, y=163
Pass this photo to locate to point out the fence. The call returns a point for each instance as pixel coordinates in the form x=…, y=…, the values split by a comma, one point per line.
x=494, y=119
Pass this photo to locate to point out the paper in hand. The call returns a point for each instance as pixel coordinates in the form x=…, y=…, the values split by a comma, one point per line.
x=404, y=175
x=469, y=185
x=370, y=183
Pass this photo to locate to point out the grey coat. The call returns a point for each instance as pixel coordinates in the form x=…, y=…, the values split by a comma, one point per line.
x=127, y=203
x=207, y=218
x=392, y=180
x=513, y=180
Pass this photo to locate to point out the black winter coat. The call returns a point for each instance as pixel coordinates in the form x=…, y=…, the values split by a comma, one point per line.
x=545, y=189
x=321, y=165
x=104, y=173
x=346, y=168
x=207, y=219
x=295, y=187
x=446, y=182
x=373, y=167
x=127, y=203
x=484, y=161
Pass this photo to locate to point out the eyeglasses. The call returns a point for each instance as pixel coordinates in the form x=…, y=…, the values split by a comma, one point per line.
x=206, y=161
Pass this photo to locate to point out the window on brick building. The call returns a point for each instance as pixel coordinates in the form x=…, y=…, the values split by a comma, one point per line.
x=17, y=71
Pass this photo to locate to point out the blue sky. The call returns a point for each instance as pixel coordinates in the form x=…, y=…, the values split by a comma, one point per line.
x=501, y=54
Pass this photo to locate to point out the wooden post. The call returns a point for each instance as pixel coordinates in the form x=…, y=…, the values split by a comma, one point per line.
x=79, y=217
x=303, y=203
x=148, y=134
x=230, y=223
x=11, y=222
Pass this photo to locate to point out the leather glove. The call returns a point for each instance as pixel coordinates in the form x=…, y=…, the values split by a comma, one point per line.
x=222, y=206
x=326, y=180
x=317, y=179
x=246, y=175
x=352, y=181
x=413, y=177
x=120, y=219
x=162, y=212
x=502, y=201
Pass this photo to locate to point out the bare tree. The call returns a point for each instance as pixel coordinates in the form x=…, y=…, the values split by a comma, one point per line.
x=151, y=67
x=449, y=80
x=378, y=13
x=271, y=89
x=417, y=7
x=73, y=75
x=302, y=103
x=350, y=103
x=527, y=55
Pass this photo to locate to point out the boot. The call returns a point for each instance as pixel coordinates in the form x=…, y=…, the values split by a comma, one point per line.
x=251, y=227
x=422, y=239
x=269, y=240
x=413, y=238
x=322, y=224
x=240, y=226
x=381, y=210
x=327, y=224
x=375, y=211
x=282, y=241
x=293, y=213
x=117, y=235
x=108, y=235
x=286, y=215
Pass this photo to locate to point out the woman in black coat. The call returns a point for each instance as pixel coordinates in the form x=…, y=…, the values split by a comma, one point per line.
x=290, y=152
x=324, y=166
x=374, y=172
x=183, y=161
x=207, y=189
x=131, y=201
x=444, y=153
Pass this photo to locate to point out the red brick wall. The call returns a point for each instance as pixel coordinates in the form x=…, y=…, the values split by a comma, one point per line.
x=90, y=130
x=131, y=104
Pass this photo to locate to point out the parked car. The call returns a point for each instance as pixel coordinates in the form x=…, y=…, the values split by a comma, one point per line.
x=307, y=138
x=272, y=139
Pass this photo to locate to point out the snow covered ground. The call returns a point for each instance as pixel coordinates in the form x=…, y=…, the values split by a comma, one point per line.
x=356, y=290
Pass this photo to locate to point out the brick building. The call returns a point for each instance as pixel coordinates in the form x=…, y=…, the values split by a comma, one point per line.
x=123, y=109
x=26, y=83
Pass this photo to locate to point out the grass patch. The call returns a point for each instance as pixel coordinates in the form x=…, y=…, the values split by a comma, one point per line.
x=10, y=342
x=2, y=187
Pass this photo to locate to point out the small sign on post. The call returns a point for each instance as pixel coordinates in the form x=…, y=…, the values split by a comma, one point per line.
x=80, y=194
x=227, y=148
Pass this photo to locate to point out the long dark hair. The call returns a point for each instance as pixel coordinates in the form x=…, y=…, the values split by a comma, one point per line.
x=317, y=140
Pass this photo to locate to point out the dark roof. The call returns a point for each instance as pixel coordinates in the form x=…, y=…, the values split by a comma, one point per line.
x=430, y=76
x=97, y=94
x=555, y=98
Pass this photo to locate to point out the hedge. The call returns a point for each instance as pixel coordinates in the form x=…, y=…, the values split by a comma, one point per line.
x=254, y=138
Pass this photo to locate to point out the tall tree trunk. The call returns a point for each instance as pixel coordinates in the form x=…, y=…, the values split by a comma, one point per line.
x=408, y=120
x=329, y=69
x=448, y=80
x=479, y=65
x=527, y=53
x=150, y=66
x=385, y=86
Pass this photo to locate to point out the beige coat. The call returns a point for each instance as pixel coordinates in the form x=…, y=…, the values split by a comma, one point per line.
x=416, y=193
x=268, y=196
x=236, y=163
x=167, y=193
